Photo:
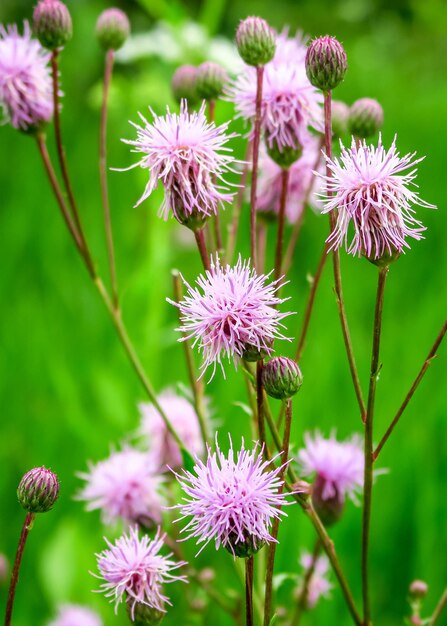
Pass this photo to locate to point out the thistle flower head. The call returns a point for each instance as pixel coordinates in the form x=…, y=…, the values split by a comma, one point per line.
x=183, y=84
x=230, y=311
x=370, y=190
x=255, y=41
x=340, y=117
x=26, y=88
x=38, y=490
x=124, y=486
x=163, y=450
x=281, y=377
x=52, y=23
x=112, y=29
x=319, y=585
x=210, y=81
x=232, y=500
x=189, y=156
x=326, y=63
x=365, y=118
x=337, y=466
x=75, y=615
x=134, y=571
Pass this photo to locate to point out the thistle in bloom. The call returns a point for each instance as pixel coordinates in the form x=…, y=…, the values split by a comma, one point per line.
x=163, y=450
x=231, y=313
x=370, y=190
x=134, y=571
x=319, y=585
x=75, y=615
x=26, y=88
x=232, y=500
x=189, y=156
x=124, y=486
x=338, y=470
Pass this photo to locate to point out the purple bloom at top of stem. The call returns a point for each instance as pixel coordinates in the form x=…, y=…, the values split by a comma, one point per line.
x=290, y=104
x=370, y=190
x=26, y=88
x=189, y=156
x=319, y=585
x=229, y=311
x=133, y=570
x=232, y=499
x=76, y=615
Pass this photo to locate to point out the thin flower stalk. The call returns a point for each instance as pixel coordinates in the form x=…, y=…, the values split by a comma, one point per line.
x=260, y=406
x=237, y=207
x=27, y=525
x=368, y=448
x=281, y=222
x=428, y=361
x=249, y=573
x=439, y=609
x=255, y=160
x=201, y=246
x=302, y=599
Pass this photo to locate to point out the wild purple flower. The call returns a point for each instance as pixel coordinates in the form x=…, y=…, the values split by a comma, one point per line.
x=318, y=586
x=337, y=466
x=124, y=486
x=75, y=615
x=163, y=450
x=230, y=311
x=290, y=104
x=369, y=189
x=232, y=500
x=26, y=92
x=301, y=179
x=133, y=571
x=189, y=156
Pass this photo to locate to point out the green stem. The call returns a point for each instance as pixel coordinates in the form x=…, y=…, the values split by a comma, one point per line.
x=201, y=246
x=438, y=610
x=281, y=222
x=249, y=566
x=27, y=525
x=368, y=469
x=304, y=593
x=255, y=159
x=260, y=406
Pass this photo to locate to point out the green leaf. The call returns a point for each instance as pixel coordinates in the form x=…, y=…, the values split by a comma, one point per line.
x=188, y=461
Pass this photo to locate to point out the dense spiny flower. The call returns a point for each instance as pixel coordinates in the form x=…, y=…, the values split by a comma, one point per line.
x=232, y=500
x=135, y=572
x=301, y=182
x=369, y=189
x=124, y=486
x=318, y=586
x=290, y=104
x=337, y=466
x=26, y=91
x=163, y=450
x=230, y=311
x=189, y=156
x=74, y=615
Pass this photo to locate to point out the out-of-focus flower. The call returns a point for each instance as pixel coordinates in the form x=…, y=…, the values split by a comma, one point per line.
x=163, y=450
x=370, y=190
x=232, y=500
x=188, y=155
x=365, y=118
x=52, y=24
x=319, y=585
x=4, y=569
x=112, y=29
x=231, y=313
x=301, y=181
x=340, y=117
x=124, y=486
x=26, y=88
x=183, y=84
x=75, y=615
x=134, y=571
x=210, y=81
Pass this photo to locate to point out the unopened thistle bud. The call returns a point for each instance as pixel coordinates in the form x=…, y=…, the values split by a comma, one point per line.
x=144, y=615
x=253, y=353
x=211, y=80
x=418, y=589
x=329, y=509
x=38, y=490
x=52, y=24
x=286, y=157
x=183, y=84
x=112, y=29
x=326, y=63
x=365, y=118
x=340, y=117
x=281, y=378
x=256, y=41
x=246, y=548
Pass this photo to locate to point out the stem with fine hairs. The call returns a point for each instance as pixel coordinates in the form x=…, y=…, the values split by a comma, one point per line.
x=368, y=469
x=201, y=246
x=108, y=69
x=249, y=567
x=233, y=228
x=431, y=355
x=255, y=159
x=303, y=596
x=275, y=527
x=27, y=525
x=196, y=385
x=281, y=221
x=262, y=244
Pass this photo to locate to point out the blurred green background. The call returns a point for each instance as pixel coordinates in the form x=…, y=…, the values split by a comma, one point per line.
x=66, y=390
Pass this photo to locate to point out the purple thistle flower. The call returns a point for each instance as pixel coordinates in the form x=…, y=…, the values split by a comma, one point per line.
x=135, y=572
x=319, y=585
x=290, y=104
x=230, y=311
x=338, y=466
x=26, y=88
x=301, y=177
x=75, y=615
x=163, y=450
x=188, y=155
x=370, y=190
x=124, y=486
x=232, y=500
